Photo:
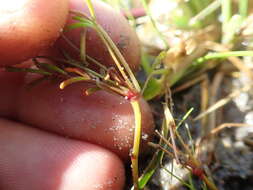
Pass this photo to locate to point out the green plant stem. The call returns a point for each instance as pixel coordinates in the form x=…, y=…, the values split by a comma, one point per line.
x=156, y=159
x=83, y=45
x=91, y=9
x=206, y=12
x=156, y=72
x=209, y=183
x=178, y=178
x=184, y=118
x=71, y=81
x=38, y=71
x=223, y=55
x=119, y=59
x=243, y=8
x=226, y=10
x=198, y=6
x=137, y=139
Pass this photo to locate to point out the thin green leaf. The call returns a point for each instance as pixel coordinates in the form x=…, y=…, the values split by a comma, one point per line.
x=150, y=170
x=91, y=9
x=185, y=117
x=27, y=70
x=243, y=8
x=152, y=86
x=159, y=59
x=50, y=67
x=205, y=12
x=78, y=25
x=223, y=55
x=81, y=18
x=191, y=183
x=178, y=178
x=73, y=80
x=231, y=28
x=90, y=91
x=146, y=64
x=155, y=161
x=152, y=89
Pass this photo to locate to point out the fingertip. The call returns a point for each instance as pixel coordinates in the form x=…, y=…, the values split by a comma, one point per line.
x=32, y=159
x=9, y=86
x=105, y=171
x=29, y=26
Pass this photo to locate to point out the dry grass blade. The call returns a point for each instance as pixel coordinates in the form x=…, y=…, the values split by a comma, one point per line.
x=204, y=99
x=213, y=98
x=172, y=127
x=189, y=83
x=224, y=101
x=229, y=125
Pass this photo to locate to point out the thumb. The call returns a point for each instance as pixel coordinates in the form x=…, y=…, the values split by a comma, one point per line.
x=29, y=26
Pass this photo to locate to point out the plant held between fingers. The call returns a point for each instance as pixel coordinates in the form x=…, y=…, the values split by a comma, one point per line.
x=118, y=79
x=124, y=84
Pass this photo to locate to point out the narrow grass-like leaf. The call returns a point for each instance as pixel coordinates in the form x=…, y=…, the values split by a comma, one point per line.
x=152, y=89
x=178, y=178
x=153, y=86
x=78, y=25
x=151, y=168
x=91, y=9
x=90, y=91
x=192, y=187
x=49, y=67
x=223, y=55
x=206, y=12
x=243, y=8
x=82, y=18
x=145, y=63
x=226, y=10
x=27, y=70
x=72, y=80
x=155, y=161
x=185, y=117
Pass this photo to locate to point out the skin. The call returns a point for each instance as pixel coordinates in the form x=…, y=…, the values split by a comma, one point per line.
x=101, y=118
x=33, y=159
x=21, y=30
x=35, y=153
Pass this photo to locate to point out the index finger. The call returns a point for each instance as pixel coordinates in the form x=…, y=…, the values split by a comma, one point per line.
x=29, y=26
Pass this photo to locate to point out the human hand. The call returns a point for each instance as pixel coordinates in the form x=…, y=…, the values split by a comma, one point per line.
x=32, y=158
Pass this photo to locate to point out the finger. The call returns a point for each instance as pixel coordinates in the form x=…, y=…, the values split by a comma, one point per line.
x=9, y=88
x=32, y=159
x=29, y=26
x=101, y=118
x=10, y=83
x=117, y=28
